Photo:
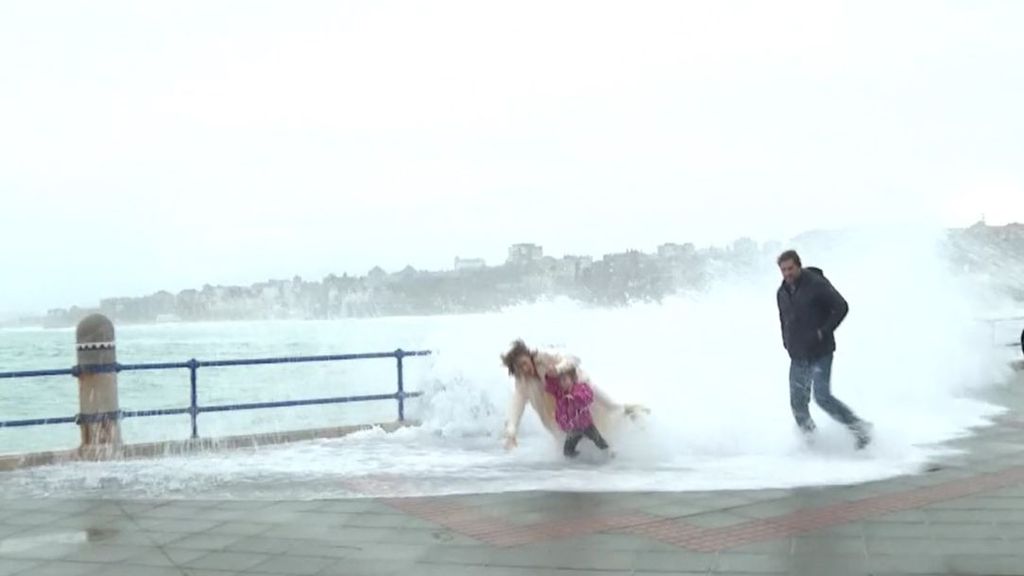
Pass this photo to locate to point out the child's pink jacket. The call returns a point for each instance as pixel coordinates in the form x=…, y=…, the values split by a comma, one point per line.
x=572, y=407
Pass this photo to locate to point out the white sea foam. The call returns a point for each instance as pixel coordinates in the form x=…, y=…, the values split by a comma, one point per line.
x=911, y=358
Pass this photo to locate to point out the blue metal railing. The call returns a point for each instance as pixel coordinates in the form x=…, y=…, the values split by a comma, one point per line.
x=194, y=409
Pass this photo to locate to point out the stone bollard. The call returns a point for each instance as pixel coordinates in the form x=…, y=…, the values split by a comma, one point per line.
x=99, y=411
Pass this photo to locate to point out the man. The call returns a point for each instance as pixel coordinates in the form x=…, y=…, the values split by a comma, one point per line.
x=810, y=310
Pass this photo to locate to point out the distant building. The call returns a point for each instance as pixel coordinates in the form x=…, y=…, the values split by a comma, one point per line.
x=407, y=272
x=376, y=276
x=574, y=265
x=671, y=250
x=623, y=262
x=469, y=263
x=114, y=306
x=524, y=253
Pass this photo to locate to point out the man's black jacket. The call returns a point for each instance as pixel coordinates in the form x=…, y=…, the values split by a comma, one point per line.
x=813, y=305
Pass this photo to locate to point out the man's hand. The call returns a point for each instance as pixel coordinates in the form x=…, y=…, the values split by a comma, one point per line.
x=510, y=442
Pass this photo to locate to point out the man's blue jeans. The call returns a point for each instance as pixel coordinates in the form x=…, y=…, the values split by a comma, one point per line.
x=816, y=374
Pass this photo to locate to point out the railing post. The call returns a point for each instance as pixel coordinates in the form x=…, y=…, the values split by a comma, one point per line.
x=98, y=412
x=399, y=355
x=193, y=408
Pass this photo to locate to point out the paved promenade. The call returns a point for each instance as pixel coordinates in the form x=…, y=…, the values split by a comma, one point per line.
x=965, y=517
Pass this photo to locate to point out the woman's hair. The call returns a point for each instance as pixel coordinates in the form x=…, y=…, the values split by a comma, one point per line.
x=509, y=358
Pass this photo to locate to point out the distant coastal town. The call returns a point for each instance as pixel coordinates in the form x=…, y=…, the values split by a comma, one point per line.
x=528, y=274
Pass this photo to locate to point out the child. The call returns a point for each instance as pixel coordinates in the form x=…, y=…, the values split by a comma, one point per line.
x=572, y=410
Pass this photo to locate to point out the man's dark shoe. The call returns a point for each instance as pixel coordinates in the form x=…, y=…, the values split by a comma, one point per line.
x=862, y=431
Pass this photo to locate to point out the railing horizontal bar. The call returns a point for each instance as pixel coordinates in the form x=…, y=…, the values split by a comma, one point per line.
x=37, y=373
x=301, y=359
x=97, y=368
x=153, y=366
x=222, y=408
x=38, y=422
x=155, y=412
x=309, y=402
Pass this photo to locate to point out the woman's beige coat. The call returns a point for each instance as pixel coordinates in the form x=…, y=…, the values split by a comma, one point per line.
x=607, y=413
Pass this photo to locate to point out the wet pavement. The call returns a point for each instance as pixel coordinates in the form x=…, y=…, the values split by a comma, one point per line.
x=966, y=516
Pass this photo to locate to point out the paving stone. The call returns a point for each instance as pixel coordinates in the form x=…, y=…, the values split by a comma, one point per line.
x=229, y=561
x=154, y=538
x=23, y=503
x=434, y=536
x=852, y=529
x=961, y=516
x=62, y=568
x=968, y=531
x=895, y=530
x=83, y=521
x=562, y=559
x=126, y=570
x=179, y=526
x=1011, y=531
x=265, y=545
x=106, y=553
x=907, y=564
x=293, y=565
x=767, y=509
x=753, y=563
x=828, y=564
x=980, y=503
x=390, y=551
x=967, y=547
x=674, y=561
x=781, y=547
x=208, y=541
x=383, y=521
x=240, y=528
x=34, y=518
x=165, y=557
x=134, y=508
x=357, y=567
x=468, y=555
x=820, y=545
x=902, y=546
x=1013, y=492
x=68, y=506
x=902, y=517
x=18, y=549
x=177, y=511
x=244, y=505
x=10, y=566
x=987, y=565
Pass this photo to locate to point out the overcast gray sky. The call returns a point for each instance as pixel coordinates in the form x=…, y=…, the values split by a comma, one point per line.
x=147, y=146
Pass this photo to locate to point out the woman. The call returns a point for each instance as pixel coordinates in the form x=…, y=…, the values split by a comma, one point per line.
x=529, y=368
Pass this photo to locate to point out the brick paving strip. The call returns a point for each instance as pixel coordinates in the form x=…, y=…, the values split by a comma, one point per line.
x=473, y=522
x=811, y=519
